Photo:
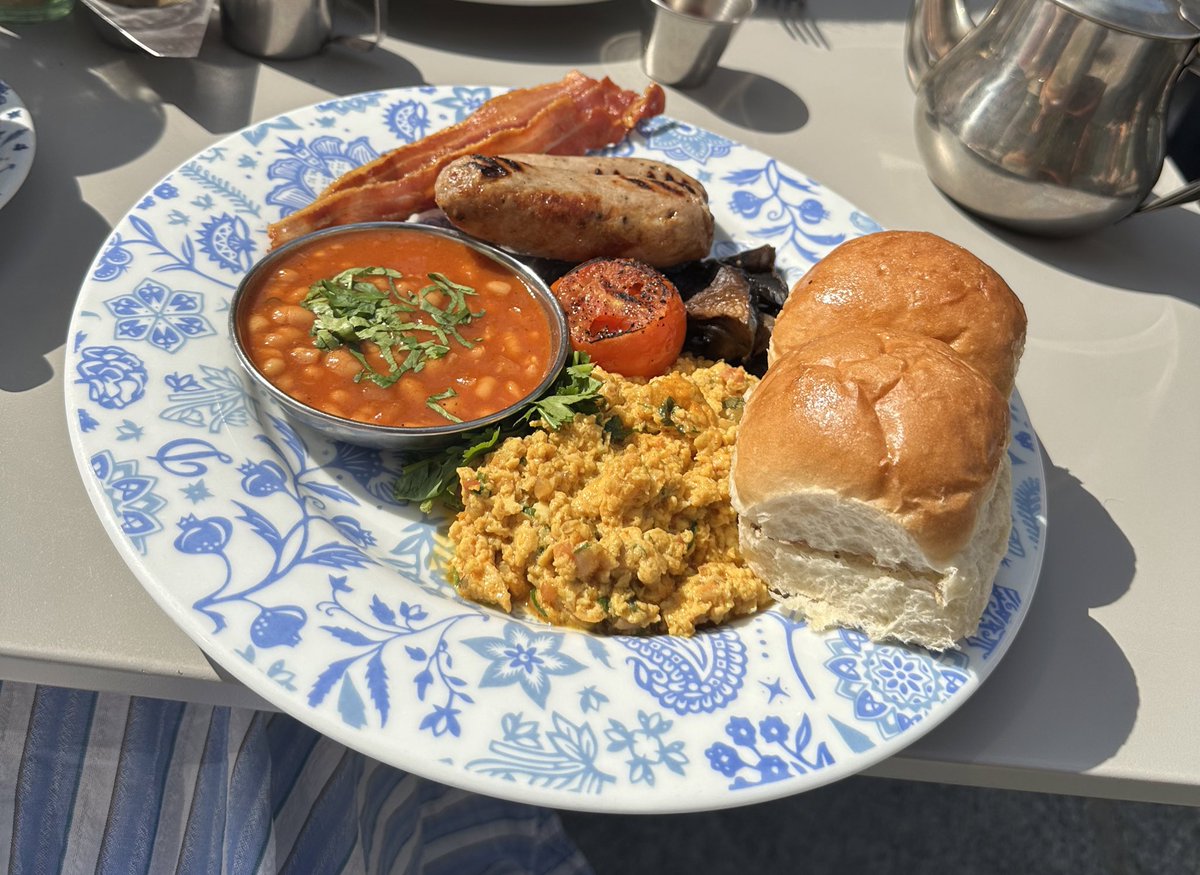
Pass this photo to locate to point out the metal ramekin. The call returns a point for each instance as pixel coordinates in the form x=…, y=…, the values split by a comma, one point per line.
x=392, y=437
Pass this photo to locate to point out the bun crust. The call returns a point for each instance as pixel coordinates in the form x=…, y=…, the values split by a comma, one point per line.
x=909, y=281
x=896, y=423
x=872, y=485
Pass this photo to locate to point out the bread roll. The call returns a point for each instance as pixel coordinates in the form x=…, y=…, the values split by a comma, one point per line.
x=909, y=281
x=873, y=486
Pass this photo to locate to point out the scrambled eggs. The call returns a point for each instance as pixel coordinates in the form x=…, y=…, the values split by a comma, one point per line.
x=619, y=521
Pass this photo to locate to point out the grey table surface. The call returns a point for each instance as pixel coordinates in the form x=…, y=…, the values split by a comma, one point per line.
x=1097, y=695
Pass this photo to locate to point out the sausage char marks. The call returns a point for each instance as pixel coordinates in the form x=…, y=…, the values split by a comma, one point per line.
x=574, y=208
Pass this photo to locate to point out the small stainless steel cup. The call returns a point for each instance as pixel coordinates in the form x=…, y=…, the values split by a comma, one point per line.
x=288, y=29
x=684, y=39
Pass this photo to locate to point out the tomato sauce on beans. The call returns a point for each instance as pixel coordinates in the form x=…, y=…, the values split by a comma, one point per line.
x=507, y=350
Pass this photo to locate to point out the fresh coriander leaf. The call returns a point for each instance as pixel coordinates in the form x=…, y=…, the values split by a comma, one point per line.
x=432, y=403
x=482, y=446
x=427, y=479
x=435, y=476
x=576, y=391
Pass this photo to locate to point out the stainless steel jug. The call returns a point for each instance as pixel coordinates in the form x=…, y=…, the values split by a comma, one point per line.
x=1048, y=116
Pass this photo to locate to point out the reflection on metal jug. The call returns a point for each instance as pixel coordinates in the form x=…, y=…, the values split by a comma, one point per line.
x=1048, y=116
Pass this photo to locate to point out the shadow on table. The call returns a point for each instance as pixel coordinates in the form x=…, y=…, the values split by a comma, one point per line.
x=1070, y=689
x=1155, y=252
x=68, y=102
x=516, y=32
x=116, y=100
x=217, y=88
x=745, y=99
x=751, y=101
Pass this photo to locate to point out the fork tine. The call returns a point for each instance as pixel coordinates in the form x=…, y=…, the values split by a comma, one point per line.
x=783, y=9
x=814, y=30
x=797, y=28
x=791, y=27
x=811, y=28
x=797, y=23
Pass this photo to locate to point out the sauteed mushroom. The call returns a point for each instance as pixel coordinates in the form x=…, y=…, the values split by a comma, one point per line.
x=722, y=320
x=731, y=304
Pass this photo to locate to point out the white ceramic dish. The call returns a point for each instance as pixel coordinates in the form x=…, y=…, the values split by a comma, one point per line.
x=284, y=557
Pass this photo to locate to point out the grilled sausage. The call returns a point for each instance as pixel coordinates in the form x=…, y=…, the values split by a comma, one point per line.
x=577, y=208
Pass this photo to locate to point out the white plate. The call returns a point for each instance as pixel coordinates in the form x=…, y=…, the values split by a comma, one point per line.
x=284, y=557
x=17, y=143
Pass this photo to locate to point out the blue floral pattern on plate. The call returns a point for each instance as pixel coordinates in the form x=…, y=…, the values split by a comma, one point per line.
x=285, y=557
x=18, y=143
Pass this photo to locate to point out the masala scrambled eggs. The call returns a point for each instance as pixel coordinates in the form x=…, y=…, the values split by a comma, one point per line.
x=618, y=521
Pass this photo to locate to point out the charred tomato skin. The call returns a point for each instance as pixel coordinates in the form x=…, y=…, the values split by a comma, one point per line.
x=624, y=314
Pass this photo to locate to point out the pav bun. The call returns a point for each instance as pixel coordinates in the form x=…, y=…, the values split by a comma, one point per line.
x=873, y=486
x=909, y=281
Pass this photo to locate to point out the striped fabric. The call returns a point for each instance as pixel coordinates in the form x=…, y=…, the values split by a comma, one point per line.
x=106, y=783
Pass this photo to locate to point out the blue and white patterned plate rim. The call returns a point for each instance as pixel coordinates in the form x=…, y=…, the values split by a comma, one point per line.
x=18, y=142
x=285, y=559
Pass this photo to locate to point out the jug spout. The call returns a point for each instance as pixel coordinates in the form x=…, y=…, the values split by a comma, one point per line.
x=934, y=28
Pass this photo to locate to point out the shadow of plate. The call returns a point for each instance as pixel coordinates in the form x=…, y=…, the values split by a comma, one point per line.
x=1065, y=694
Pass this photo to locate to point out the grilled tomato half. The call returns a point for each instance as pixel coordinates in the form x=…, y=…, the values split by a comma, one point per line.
x=624, y=314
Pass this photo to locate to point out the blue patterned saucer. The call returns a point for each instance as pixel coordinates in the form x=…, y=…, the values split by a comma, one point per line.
x=17, y=143
x=286, y=559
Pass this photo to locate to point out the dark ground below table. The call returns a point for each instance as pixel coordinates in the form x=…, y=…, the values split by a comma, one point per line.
x=890, y=827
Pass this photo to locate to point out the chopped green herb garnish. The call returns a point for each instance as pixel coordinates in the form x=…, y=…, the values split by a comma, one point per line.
x=432, y=403
x=536, y=602
x=666, y=410
x=616, y=429
x=352, y=310
x=576, y=388
x=734, y=403
x=434, y=477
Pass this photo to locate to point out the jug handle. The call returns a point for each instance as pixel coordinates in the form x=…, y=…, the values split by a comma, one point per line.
x=1186, y=194
x=365, y=45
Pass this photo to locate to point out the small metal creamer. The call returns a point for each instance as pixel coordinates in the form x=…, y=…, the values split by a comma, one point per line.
x=289, y=29
x=1048, y=116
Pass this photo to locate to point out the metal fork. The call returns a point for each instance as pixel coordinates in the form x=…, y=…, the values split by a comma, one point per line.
x=797, y=22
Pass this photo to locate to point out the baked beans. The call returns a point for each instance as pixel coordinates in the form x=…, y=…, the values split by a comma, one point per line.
x=496, y=357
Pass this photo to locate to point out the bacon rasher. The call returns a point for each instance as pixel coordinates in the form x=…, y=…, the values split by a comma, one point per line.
x=503, y=112
x=568, y=117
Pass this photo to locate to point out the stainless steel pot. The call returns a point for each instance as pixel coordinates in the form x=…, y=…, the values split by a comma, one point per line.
x=1048, y=116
